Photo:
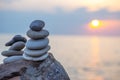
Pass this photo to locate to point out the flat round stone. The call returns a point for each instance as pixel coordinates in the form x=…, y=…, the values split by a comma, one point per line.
x=37, y=44
x=19, y=38
x=17, y=46
x=11, y=53
x=37, y=34
x=37, y=25
x=16, y=38
x=36, y=53
x=43, y=57
x=12, y=59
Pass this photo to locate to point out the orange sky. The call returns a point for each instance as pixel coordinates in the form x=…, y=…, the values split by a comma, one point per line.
x=105, y=26
x=61, y=16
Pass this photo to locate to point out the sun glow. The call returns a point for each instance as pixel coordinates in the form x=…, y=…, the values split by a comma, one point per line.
x=95, y=24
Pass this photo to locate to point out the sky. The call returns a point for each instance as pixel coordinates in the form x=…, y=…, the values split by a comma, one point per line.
x=61, y=17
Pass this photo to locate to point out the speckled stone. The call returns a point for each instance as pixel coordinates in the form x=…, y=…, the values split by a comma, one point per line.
x=37, y=34
x=17, y=46
x=12, y=59
x=16, y=38
x=11, y=53
x=36, y=53
x=37, y=25
x=37, y=44
x=43, y=57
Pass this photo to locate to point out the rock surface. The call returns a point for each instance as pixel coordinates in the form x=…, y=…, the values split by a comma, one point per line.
x=17, y=43
x=16, y=38
x=49, y=69
x=10, y=43
x=17, y=46
x=37, y=25
x=37, y=34
x=12, y=59
x=19, y=38
x=37, y=44
x=11, y=53
x=38, y=58
x=36, y=53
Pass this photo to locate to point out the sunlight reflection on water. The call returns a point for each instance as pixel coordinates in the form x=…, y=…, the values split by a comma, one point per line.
x=84, y=57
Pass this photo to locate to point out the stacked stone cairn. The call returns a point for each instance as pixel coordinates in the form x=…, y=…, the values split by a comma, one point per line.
x=14, y=53
x=37, y=47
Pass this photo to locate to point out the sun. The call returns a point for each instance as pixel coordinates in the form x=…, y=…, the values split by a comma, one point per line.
x=95, y=23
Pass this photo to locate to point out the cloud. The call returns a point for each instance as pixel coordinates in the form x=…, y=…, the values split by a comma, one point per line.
x=61, y=23
x=52, y=5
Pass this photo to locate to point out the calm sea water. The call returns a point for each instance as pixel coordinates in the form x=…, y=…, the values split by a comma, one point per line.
x=83, y=57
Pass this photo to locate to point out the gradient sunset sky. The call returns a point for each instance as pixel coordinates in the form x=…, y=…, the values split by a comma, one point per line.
x=63, y=17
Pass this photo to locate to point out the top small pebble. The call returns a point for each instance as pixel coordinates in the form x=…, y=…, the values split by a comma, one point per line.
x=37, y=25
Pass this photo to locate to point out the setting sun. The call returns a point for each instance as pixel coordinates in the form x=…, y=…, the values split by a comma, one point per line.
x=95, y=23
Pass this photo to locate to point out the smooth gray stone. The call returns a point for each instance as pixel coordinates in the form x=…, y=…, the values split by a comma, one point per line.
x=41, y=58
x=37, y=25
x=11, y=53
x=17, y=46
x=19, y=38
x=36, y=53
x=37, y=44
x=12, y=59
x=10, y=43
x=37, y=34
x=16, y=38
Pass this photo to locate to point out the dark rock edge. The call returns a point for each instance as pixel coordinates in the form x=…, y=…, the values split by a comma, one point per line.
x=49, y=69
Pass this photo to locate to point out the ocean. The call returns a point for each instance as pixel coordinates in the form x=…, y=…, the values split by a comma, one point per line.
x=83, y=57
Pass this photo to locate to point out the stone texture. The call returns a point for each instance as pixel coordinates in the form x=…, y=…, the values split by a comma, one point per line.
x=19, y=38
x=36, y=47
x=39, y=58
x=15, y=78
x=10, y=43
x=36, y=53
x=37, y=44
x=11, y=53
x=37, y=34
x=16, y=38
x=12, y=58
x=17, y=46
x=49, y=69
x=37, y=25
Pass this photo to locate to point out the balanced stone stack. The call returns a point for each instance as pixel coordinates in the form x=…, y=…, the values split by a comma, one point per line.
x=34, y=63
x=14, y=53
x=37, y=47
